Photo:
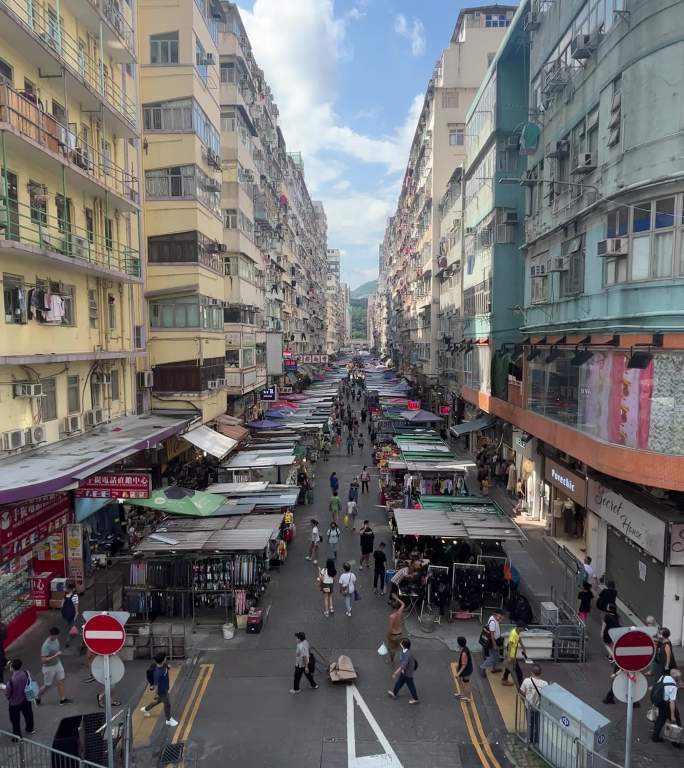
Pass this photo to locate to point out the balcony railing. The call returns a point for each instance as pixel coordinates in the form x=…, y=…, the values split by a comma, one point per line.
x=31, y=225
x=112, y=12
x=25, y=116
x=72, y=54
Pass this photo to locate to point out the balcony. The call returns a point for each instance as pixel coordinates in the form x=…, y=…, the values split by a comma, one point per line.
x=30, y=128
x=239, y=382
x=117, y=32
x=48, y=46
x=29, y=230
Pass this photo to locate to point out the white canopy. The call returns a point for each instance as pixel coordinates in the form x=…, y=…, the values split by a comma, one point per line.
x=212, y=442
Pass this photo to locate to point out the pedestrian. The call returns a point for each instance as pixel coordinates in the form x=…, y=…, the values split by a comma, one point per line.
x=353, y=490
x=379, y=569
x=160, y=682
x=19, y=705
x=585, y=597
x=360, y=442
x=664, y=697
x=665, y=653
x=305, y=663
x=352, y=512
x=347, y=583
x=511, y=664
x=70, y=610
x=367, y=540
x=531, y=688
x=611, y=620
x=491, y=642
x=588, y=570
x=364, y=413
x=350, y=444
x=464, y=669
x=333, y=535
x=53, y=671
x=315, y=541
x=405, y=672
x=395, y=629
x=607, y=596
x=334, y=482
x=3, y=658
x=365, y=479
x=326, y=581
x=334, y=506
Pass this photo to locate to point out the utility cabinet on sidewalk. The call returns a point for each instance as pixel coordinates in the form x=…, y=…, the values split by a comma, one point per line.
x=569, y=729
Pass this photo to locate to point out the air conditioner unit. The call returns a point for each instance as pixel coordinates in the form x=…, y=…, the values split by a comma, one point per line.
x=220, y=383
x=558, y=264
x=99, y=415
x=72, y=424
x=558, y=149
x=510, y=217
x=212, y=384
x=532, y=21
x=36, y=434
x=613, y=246
x=145, y=379
x=583, y=47
x=13, y=440
x=586, y=163
x=26, y=389
x=79, y=247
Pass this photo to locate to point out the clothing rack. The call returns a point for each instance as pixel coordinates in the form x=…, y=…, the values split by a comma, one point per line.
x=473, y=581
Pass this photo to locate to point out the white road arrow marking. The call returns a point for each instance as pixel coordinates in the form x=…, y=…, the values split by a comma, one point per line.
x=388, y=759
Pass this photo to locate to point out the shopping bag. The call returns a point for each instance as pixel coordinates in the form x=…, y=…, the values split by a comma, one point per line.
x=31, y=690
x=73, y=632
x=357, y=596
x=652, y=713
x=345, y=520
x=382, y=650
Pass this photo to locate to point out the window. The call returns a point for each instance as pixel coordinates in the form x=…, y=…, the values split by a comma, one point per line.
x=228, y=72
x=187, y=312
x=14, y=293
x=6, y=73
x=74, y=394
x=111, y=311
x=138, y=336
x=95, y=393
x=48, y=410
x=90, y=224
x=168, y=115
x=572, y=278
x=92, y=307
x=539, y=279
x=201, y=61
x=232, y=358
x=618, y=222
x=230, y=218
x=456, y=135
x=164, y=48
x=67, y=294
x=615, y=122
x=109, y=228
x=63, y=206
x=53, y=28
x=114, y=385
x=496, y=20
x=450, y=98
x=184, y=247
x=229, y=122
x=184, y=181
x=38, y=203
x=106, y=157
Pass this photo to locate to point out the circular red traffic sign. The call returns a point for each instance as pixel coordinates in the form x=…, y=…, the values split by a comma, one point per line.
x=634, y=651
x=104, y=635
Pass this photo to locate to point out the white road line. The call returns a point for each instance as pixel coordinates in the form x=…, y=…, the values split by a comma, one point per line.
x=388, y=759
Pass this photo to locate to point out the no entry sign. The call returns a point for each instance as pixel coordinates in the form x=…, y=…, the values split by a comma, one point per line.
x=104, y=635
x=633, y=651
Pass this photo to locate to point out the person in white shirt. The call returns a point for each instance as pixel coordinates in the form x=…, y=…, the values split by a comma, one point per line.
x=531, y=688
x=492, y=653
x=315, y=541
x=347, y=582
x=588, y=569
x=667, y=708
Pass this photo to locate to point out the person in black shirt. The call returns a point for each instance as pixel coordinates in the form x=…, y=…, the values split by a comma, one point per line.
x=585, y=597
x=380, y=559
x=367, y=541
x=611, y=620
x=607, y=596
x=465, y=669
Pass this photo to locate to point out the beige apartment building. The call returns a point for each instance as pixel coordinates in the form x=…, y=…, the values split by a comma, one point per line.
x=417, y=252
x=336, y=308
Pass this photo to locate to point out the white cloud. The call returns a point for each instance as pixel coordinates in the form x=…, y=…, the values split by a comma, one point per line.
x=414, y=31
x=342, y=185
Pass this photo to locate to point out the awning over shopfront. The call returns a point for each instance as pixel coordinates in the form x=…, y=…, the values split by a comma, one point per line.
x=483, y=422
x=245, y=534
x=210, y=441
x=233, y=431
x=248, y=459
x=175, y=500
x=430, y=466
x=475, y=522
x=59, y=465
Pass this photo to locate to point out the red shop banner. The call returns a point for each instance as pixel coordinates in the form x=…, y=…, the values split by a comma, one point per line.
x=122, y=485
x=22, y=526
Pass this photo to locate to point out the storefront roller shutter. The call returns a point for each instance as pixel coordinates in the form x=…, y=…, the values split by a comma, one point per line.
x=639, y=578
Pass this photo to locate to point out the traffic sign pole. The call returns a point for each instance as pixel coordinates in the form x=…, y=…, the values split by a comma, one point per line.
x=108, y=711
x=630, y=717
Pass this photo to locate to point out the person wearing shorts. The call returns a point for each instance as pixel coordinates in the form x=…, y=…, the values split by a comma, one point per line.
x=53, y=671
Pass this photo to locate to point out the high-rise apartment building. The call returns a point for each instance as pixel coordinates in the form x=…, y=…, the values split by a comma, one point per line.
x=413, y=250
x=336, y=310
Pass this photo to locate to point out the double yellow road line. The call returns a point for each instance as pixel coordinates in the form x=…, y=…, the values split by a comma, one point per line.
x=192, y=705
x=474, y=725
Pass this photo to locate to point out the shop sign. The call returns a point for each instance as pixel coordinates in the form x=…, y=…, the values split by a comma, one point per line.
x=677, y=544
x=22, y=526
x=315, y=358
x=444, y=410
x=290, y=365
x=636, y=524
x=40, y=589
x=116, y=485
x=269, y=394
x=412, y=405
x=572, y=485
x=285, y=390
x=74, y=551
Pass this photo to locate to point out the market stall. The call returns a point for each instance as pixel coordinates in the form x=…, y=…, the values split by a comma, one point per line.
x=250, y=466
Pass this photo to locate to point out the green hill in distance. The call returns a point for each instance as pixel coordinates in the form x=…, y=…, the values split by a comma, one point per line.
x=365, y=290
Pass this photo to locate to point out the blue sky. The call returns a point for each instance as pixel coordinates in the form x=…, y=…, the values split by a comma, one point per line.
x=349, y=78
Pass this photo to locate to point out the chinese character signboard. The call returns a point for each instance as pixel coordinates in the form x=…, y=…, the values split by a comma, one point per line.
x=74, y=552
x=444, y=410
x=269, y=394
x=412, y=405
x=24, y=525
x=116, y=485
x=290, y=365
x=315, y=358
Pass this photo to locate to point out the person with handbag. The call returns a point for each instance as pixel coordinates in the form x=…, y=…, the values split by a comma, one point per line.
x=347, y=583
x=326, y=581
x=664, y=697
x=491, y=642
x=15, y=691
x=70, y=611
x=531, y=688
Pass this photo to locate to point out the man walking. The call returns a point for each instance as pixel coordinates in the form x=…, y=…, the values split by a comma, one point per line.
x=379, y=570
x=531, y=689
x=350, y=444
x=304, y=663
x=160, y=681
x=664, y=696
x=365, y=479
x=53, y=671
x=367, y=538
x=491, y=651
x=464, y=669
x=511, y=664
x=334, y=506
x=404, y=673
x=395, y=628
x=333, y=534
x=69, y=609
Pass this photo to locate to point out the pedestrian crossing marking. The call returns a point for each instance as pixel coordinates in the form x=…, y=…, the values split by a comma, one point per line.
x=388, y=759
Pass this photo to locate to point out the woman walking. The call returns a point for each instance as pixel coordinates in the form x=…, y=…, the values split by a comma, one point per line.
x=347, y=582
x=333, y=535
x=334, y=482
x=585, y=597
x=326, y=580
x=365, y=479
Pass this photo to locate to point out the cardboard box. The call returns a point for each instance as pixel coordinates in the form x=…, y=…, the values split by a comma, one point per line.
x=56, y=603
x=58, y=584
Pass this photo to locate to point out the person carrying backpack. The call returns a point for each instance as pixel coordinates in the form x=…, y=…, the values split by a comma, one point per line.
x=664, y=697
x=160, y=681
x=70, y=611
